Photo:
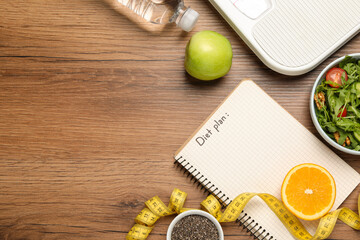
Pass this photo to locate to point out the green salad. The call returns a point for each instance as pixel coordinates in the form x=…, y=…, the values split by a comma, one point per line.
x=337, y=101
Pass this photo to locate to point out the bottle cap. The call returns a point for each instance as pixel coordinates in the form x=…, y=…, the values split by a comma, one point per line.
x=188, y=20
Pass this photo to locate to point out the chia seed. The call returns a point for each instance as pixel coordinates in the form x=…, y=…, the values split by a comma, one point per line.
x=195, y=227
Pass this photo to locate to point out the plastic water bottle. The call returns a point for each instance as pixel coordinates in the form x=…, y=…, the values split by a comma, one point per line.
x=163, y=12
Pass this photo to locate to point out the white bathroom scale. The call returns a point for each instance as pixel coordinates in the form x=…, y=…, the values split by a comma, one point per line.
x=292, y=36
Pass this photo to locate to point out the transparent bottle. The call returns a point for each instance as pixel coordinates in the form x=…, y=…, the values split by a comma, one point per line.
x=163, y=12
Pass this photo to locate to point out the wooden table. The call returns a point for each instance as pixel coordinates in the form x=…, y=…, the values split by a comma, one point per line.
x=93, y=108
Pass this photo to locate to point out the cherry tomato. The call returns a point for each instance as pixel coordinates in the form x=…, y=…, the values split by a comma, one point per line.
x=334, y=75
x=344, y=113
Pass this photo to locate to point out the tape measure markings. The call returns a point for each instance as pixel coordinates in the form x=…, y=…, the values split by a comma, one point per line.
x=156, y=209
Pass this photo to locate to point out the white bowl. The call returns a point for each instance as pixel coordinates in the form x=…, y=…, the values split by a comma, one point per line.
x=313, y=106
x=195, y=212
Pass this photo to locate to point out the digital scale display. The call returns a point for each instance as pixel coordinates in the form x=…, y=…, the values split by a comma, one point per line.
x=252, y=8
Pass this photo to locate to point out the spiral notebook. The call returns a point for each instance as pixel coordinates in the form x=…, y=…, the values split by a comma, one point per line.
x=248, y=144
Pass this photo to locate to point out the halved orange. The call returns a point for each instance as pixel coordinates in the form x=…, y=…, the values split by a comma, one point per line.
x=308, y=191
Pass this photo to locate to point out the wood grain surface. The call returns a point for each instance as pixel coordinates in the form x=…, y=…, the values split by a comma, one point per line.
x=94, y=105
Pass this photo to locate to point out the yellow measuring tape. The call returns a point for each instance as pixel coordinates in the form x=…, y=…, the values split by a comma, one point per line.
x=155, y=209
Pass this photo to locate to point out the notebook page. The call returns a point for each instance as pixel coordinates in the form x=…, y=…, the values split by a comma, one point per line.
x=249, y=144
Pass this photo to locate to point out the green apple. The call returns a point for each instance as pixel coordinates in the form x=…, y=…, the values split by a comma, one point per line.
x=208, y=55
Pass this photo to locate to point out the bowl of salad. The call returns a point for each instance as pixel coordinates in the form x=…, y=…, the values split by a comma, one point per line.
x=335, y=104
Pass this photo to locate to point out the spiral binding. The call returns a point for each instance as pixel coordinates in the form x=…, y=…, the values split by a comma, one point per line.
x=197, y=178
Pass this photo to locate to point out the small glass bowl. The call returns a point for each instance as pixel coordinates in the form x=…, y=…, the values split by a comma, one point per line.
x=195, y=212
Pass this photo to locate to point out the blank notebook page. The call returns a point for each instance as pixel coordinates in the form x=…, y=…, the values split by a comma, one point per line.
x=249, y=144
